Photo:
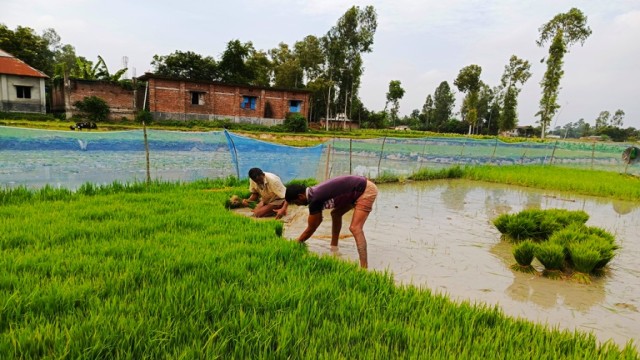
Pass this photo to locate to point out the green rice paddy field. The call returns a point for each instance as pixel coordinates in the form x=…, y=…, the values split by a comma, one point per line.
x=165, y=271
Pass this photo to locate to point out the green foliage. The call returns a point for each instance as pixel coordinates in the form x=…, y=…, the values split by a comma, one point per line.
x=386, y=177
x=185, y=65
x=26, y=116
x=563, y=30
x=537, y=224
x=93, y=107
x=523, y=252
x=232, y=67
x=149, y=274
x=303, y=182
x=570, y=241
x=454, y=172
x=25, y=44
x=295, y=122
x=144, y=116
x=443, y=100
x=584, y=257
x=550, y=255
x=579, y=181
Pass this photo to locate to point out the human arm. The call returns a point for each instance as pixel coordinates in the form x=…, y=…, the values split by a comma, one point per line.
x=254, y=196
x=282, y=211
x=313, y=221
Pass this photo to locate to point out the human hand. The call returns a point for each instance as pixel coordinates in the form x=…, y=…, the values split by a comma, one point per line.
x=245, y=202
x=281, y=213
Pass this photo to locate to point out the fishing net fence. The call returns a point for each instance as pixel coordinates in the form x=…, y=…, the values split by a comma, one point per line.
x=35, y=158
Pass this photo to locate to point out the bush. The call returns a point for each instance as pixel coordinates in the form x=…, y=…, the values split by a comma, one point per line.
x=144, y=116
x=295, y=122
x=93, y=107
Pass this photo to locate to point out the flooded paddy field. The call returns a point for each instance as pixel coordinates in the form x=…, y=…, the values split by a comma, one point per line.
x=439, y=235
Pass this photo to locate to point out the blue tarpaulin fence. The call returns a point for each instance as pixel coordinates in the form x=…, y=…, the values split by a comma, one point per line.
x=35, y=158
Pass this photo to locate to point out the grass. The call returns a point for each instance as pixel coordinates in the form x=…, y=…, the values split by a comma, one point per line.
x=165, y=271
x=564, y=179
x=585, y=182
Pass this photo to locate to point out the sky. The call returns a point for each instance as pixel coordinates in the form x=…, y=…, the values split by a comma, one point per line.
x=418, y=42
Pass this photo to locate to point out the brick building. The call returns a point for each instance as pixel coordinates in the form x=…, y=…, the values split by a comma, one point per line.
x=21, y=86
x=181, y=99
x=123, y=102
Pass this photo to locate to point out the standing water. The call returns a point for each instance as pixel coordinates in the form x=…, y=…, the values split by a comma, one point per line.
x=439, y=235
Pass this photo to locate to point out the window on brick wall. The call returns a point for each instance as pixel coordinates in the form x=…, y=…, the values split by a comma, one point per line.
x=295, y=106
x=197, y=98
x=23, y=92
x=249, y=102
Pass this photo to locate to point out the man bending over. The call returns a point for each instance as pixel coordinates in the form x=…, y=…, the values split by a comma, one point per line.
x=269, y=189
x=341, y=194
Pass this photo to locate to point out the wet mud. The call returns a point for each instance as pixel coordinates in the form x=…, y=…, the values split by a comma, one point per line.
x=439, y=235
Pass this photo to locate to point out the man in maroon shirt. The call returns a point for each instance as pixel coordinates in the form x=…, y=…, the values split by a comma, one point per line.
x=341, y=194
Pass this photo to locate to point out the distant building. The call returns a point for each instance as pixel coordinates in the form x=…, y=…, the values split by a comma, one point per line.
x=21, y=86
x=520, y=131
x=123, y=102
x=183, y=99
x=340, y=122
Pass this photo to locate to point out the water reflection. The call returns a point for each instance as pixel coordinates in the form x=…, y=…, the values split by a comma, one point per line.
x=439, y=234
x=548, y=293
x=624, y=207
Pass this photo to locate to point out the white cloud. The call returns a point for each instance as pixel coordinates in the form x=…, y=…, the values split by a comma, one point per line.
x=420, y=43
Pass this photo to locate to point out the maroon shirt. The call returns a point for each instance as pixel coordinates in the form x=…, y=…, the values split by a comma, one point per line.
x=335, y=193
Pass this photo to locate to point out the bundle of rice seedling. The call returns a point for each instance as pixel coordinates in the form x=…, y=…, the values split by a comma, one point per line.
x=566, y=217
x=584, y=259
x=523, y=253
x=604, y=248
x=233, y=202
x=550, y=255
x=537, y=224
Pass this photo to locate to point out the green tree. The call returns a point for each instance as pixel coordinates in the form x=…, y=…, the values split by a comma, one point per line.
x=344, y=45
x=444, y=101
x=395, y=93
x=35, y=50
x=93, y=107
x=232, y=66
x=262, y=68
x=185, y=65
x=516, y=72
x=66, y=64
x=428, y=113
x=486, y=98
x=603, y=119
x=617, y=118
x=468, y=81
x=563, y=30
x=309, y=54
x=287, y=70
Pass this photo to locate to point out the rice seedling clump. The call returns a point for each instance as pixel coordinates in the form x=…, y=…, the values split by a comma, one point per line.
x=560, y=240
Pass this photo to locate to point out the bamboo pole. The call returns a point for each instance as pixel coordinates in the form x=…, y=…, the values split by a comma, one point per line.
x=553, y=153
x=350, y=149
x=326, y=167
x=381, y=152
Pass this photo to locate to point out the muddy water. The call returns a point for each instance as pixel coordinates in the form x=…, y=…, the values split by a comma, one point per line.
x=439, y=235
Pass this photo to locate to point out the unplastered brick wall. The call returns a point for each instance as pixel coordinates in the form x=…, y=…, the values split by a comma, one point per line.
x=120, y=100
x=181, y=100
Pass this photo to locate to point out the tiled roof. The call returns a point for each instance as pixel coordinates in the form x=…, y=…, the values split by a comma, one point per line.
x=13, y=66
